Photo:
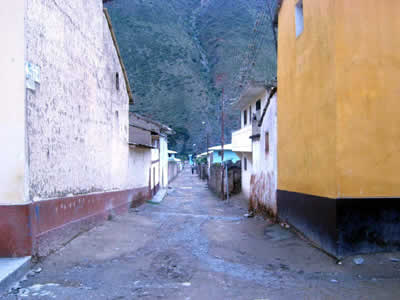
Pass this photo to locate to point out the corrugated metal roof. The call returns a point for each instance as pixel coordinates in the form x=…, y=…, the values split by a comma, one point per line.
x=226, y=147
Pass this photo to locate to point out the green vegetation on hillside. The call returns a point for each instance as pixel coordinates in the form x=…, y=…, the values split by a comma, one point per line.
x=174, y=50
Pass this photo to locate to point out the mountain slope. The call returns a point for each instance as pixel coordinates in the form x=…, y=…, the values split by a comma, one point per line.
x=174, y=51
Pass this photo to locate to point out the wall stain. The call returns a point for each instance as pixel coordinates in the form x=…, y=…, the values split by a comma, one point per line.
x=262, y=194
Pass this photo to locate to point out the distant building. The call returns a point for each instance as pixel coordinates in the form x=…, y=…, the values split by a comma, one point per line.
x=69, y=161
x=338, y=123
x=216, y=171
x=206, y=155
x=149, y=139
x=229, y=155
x=172, y=154
x=175, y=165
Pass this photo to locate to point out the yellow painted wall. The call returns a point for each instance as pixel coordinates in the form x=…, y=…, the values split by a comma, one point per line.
x=306, y=100
x=368, y=97
x=339, y=99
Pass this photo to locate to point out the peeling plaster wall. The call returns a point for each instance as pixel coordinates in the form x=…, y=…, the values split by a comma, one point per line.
x=77, y=119
x=265, y=165
x=12, y=113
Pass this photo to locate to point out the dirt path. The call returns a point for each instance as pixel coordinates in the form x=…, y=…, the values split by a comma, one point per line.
x=194, y=246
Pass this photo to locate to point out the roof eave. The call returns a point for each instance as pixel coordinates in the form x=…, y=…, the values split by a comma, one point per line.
x=127, y=84
x=163, y=128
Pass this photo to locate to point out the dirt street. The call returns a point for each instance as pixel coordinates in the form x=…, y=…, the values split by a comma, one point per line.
x=194, y=246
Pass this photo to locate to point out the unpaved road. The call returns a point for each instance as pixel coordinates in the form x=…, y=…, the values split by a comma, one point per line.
x=194, y=246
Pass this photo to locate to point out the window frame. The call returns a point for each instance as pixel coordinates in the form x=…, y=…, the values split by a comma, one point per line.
x=299, y=18
x=258, y=105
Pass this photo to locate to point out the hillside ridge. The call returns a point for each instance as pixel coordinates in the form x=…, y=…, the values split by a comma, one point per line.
x=174, y=52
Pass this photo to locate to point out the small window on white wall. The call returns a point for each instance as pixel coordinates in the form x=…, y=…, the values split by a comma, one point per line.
x=299, y=18
x=117, y=81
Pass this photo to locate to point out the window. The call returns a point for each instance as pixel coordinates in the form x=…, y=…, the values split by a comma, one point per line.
x=245, y=163
x=117, y=81
x=245, y=117
x=266, y=142
x=299, y=18
x=250, y=116
x=258, y=105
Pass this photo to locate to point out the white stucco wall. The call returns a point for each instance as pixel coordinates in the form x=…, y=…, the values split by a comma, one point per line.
x=77, y=120
x=164, y=161
x=265, y=165
x=139, y=164
x=12, y=113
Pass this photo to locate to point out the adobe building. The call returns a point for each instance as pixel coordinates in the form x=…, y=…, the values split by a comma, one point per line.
x=67, y=162
x=338, y=122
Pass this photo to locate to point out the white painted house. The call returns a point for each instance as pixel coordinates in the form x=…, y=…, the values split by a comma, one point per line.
x=150, y=138
x=256, y=145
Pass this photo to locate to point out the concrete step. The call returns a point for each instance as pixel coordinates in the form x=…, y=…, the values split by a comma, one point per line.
x=12, y=270
x=159, y=197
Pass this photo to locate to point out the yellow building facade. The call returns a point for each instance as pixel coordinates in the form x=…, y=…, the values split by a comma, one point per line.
x=338, y=122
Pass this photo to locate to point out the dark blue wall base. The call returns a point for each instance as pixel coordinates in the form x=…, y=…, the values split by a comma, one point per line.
x=344, y=227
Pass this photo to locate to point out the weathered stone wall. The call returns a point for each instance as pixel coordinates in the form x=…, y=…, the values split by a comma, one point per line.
x=77, y=119
x=214, y=181
x=202, y=171
x=234, y=177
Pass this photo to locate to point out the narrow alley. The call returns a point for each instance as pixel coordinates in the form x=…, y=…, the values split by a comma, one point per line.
x=195, y=246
